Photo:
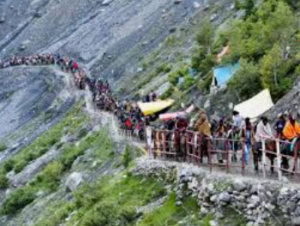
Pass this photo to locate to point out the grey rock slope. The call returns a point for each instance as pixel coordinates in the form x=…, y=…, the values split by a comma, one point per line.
x=31, y=100
x=98, y=33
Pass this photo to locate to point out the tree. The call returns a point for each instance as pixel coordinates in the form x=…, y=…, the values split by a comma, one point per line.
x=280, y=26
x=205, y=36
x=237, y=5
x=246, y=81
x=249, y=6
x=270, y=66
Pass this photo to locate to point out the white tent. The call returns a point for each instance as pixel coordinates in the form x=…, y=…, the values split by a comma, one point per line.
x=255, y=106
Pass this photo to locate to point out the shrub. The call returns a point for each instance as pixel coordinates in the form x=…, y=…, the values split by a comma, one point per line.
x=20, y=166
x=82, y=133
x=168, y=93
x=8, y=165
x=173, y=78
x=50, y=177
x=166, y=68
x=188, y=82
x=127, y=158
x=2, y=147
x=3, y=182
x=17, y=201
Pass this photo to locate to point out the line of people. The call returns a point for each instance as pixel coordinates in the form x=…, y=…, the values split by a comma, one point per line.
x=235, y=129
x=231, y=133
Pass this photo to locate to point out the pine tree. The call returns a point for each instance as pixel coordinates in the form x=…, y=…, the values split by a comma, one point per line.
x=249, y=6
x=237, y=5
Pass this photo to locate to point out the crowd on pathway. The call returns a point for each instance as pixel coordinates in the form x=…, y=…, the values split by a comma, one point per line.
x=236, y=128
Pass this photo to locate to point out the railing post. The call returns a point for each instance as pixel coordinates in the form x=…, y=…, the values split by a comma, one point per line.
x=264, y=157
x=209, y=152
x=278, y=153
x=187, y=142
x=199, y=141
x=243, y=157
x=150, y=142
x=295, y=168
x=164, y=143
x=227, y=154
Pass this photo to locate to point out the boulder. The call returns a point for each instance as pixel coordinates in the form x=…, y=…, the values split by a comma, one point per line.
x=224, y=197
x=239, y=185
x=106, y=2
x=73, y=181
x=2, y=19
x=254, y=201
x=296, y=221
x=196, y=5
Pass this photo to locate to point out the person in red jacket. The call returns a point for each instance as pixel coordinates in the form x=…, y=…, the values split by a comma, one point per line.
x=75, y=67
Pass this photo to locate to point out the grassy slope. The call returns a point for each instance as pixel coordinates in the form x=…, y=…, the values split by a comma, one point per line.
x=50, y=139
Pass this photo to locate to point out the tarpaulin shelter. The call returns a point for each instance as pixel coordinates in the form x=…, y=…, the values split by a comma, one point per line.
x=173, y=115
x=255, y=106
x=223, y=74
x=154, y=107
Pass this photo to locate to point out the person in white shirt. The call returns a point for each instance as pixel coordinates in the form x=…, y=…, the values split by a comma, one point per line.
x=237, y=120
x=263, y=133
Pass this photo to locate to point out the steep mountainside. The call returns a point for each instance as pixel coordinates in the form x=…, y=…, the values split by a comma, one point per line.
x=64, y=163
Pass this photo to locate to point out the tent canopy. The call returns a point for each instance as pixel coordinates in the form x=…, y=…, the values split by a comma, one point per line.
x=173, y=115
x=255, y=106
x=154, y=107
x=223, y=74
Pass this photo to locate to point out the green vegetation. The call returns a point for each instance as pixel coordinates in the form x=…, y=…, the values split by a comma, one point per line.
x=2, y=147
x=170, y=214
x=163, y=68
x=248, y=74
x=48, y=180
x=266, y=40
x=168, y=93
x=174, y=77
x=3, y=182
x=110, y=201
x=17, y=200
x=203, y=57
x=74, y=120
x=127, y=157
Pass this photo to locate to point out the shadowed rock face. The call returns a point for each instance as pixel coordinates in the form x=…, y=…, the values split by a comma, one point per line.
x=26, y=94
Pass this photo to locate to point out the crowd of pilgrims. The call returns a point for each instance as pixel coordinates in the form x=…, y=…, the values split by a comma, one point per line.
x=234, y=128
x=64, y=62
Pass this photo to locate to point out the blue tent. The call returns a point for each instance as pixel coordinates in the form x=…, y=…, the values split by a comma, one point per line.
x=223, y=74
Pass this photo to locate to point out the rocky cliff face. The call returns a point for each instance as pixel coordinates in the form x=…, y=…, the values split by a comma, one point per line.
x=108, y=37
x=32, y=99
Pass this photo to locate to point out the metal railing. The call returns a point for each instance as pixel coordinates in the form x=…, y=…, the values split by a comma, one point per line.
x=223, y=153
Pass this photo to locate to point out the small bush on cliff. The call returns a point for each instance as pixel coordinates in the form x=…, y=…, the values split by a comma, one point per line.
x=3, y=182
x=127, y=158
x=2, y=147
x=17, y=201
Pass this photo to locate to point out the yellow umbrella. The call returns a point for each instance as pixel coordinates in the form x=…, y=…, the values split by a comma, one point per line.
x=154, y=107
